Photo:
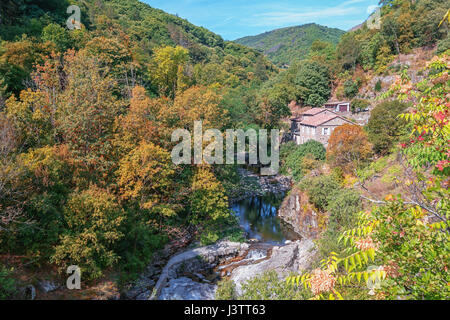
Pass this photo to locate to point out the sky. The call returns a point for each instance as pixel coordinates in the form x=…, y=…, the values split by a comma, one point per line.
x=234, y=19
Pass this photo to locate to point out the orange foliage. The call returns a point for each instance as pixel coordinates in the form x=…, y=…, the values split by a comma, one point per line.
x=348, y=147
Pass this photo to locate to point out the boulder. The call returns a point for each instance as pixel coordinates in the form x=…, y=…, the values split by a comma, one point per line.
x=47, y=286
x=187, y=289
x=294, y=257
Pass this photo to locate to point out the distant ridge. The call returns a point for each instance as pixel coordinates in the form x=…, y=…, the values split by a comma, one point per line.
x=285, y=46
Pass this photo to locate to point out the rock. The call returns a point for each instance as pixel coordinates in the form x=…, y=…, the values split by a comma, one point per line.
x=47, y=286
x=141, y=290
x=198, y=259
x=187, y=289
x=297, y=212
x=144, y=296
x=288, y=242
x=29, y=292
x=293, y=257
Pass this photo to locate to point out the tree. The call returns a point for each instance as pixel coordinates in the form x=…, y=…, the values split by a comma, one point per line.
x=142, y=122
x=93, y=219
x=169, y=65
x=16, y=63
x=348, y=147
x=32, y=117
x=59, y=36
x=385, y=127
x=196, y=104
x=348, y=51
x=87, y=115
x=208, y=201
x=351, y=88
x=145, y=175
x=359, y=105
x=10, y=174
x=314, y=82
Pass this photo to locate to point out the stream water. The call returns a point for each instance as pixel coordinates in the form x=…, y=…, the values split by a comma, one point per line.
x=259, y=217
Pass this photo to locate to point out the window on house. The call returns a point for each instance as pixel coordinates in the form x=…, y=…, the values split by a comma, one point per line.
x=326, y=131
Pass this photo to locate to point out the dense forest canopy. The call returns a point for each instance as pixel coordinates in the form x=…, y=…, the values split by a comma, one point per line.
x=288, y=45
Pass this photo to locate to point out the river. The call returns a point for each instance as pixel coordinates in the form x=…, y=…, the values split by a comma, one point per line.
x=259, y=217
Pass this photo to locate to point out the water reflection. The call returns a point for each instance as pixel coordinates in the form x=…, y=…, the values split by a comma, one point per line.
x=259, y=217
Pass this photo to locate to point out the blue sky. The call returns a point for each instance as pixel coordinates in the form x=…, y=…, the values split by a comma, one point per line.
x=233, y=19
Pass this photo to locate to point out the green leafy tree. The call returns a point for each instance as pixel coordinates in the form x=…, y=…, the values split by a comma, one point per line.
x=169, y=68
x=385, y=128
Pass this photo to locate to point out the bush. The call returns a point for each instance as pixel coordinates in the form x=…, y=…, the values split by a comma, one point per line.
x=378, y=86
x=359, y=105
x=93, y=218
x=7, y=284
x=343, y=207
x=298, y=160
x=385, y=127
x=226, y=290
x=319, y=190
x=270, y=287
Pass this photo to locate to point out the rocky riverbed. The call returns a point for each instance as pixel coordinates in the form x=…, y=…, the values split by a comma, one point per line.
x=238, y=262
x=194, y=273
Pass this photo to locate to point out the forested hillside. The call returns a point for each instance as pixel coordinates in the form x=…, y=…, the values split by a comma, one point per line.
x=286, y=46
x=86, y=117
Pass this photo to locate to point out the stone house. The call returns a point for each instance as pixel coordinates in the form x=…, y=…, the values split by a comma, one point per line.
x=316, y=124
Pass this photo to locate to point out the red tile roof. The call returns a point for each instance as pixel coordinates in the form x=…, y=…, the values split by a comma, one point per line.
x=317, y=120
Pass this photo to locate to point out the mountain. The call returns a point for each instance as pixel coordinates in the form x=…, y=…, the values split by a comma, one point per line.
x=132, y=23
x=284, y=46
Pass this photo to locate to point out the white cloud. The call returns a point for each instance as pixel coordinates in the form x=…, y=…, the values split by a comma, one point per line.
x=277, y=18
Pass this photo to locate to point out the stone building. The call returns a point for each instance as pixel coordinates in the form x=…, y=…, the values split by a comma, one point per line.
x=316, y=124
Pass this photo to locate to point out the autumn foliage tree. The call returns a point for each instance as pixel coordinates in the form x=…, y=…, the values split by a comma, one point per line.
x=93, y=219
x=87, y=115
x=348, y=147
x=208, y=200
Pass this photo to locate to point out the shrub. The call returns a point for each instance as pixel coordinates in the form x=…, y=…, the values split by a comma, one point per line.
x=319, y=190
x=343, y=207
x=385, y=127
x=298, y=160
x=378, y=86
x=7, y=284
x=348, y=147
x=359, y=105
x=226, y=290
x=93, y=218
x=270, y=287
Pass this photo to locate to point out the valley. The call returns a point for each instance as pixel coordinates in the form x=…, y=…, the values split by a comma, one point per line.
x=114, y=124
